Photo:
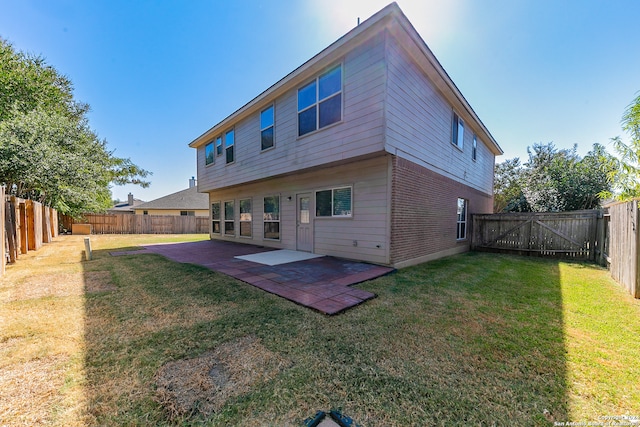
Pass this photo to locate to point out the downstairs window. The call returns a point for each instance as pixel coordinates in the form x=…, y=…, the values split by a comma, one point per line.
x=215, y=217
x=335, y=202
x=271, y=217
x=461, y=224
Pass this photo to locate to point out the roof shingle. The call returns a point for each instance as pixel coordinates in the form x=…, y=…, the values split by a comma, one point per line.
x=188, y=199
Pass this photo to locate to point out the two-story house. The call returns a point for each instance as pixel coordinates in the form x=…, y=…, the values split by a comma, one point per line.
x=367, y=151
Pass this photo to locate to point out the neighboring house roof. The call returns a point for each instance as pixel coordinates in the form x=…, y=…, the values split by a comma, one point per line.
x=393, y=20
x=125, y=206
x=188, y=199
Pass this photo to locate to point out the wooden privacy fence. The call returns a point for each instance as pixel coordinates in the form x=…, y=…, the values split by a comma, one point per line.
x=25, y=226
x=578, y=234
x=624, y=242
x=142, y=224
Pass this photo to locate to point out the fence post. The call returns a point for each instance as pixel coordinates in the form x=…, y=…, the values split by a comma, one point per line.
x=2, y=232
x=529, y=236
x=24, y=229
x=87, y=249
x=474, y=231
x=600, y=237
x=10, y=230
x=636, y=282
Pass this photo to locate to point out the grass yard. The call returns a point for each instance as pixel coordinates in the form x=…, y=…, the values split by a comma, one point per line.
x=474, y=339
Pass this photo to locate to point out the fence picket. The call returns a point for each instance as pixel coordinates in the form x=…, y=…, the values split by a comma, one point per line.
x=2, y=232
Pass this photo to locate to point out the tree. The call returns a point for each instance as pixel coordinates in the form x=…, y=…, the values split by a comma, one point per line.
x=508, y=195
x=27, y=82
x=48, y=152
x=625, y=169
x=552, y=180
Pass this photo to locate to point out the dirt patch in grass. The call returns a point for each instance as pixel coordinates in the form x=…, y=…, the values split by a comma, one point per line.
x=61, y=285
x=200, y=386
x=98, y=281
x=29, y=390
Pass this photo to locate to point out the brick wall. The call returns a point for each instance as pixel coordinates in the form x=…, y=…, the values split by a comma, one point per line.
x=423, y=212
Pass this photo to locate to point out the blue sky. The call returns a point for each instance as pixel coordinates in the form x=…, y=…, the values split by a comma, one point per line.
x=157, y=74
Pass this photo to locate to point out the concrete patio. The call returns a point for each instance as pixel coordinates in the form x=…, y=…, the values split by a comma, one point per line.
x=321, y=283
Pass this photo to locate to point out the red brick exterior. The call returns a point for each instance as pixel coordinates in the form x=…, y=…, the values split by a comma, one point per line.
x=424, y=211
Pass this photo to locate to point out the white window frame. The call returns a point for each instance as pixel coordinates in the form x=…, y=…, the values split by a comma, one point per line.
x=232, y=220
x=264, y=220
x=245, y=221
x=318, y=101
x=457, y=131
x=219, y=220
x=462, y=222
x=474, y=148
x=272, y=107
x=219, y=149
x=213, y=154
x=231, y=146
x=333, y=189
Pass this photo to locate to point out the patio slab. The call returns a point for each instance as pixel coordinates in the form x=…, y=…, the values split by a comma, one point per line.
x=320, y=283
x=283, y=256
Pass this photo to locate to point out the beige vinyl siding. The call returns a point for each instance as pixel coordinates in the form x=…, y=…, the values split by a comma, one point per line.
x=360, y=132
x=368, y=225
x=419, y=125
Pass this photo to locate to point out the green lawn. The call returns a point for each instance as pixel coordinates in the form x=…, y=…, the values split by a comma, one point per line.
x=474, y=339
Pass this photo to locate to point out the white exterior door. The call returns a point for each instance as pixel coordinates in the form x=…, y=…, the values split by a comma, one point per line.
x=304, y=222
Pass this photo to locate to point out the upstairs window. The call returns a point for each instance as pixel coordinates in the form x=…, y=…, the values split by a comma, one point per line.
x=266, y=128
x=461, y=224
x=474, y=149
x=335, y=202
x=320, y=102
x=457, y=131
x=219, y=146
x=229, y=141
x=208, y=153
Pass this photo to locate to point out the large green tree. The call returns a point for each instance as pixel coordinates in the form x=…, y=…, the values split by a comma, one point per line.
x=48, y=152
x=552, y=180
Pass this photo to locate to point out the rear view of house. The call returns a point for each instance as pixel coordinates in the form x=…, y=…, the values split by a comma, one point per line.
x=368, y=151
